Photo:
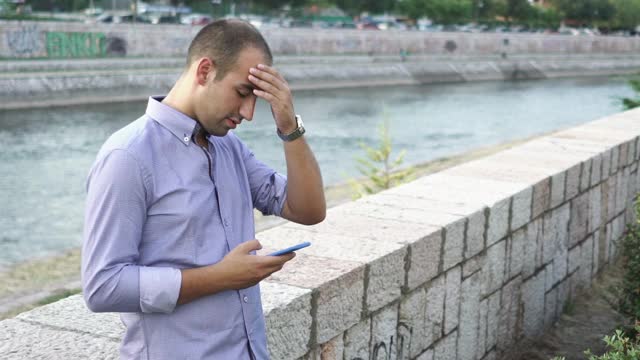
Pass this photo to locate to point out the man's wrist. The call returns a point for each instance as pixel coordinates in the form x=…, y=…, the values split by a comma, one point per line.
x=294, y=133
x=286, y=130
x=289, y=126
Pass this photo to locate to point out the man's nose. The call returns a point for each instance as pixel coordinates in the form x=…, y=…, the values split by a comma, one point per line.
x=248, y=107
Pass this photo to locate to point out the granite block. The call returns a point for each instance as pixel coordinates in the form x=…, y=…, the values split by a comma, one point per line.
x=585, y=175
x=578, y=226
x=424, y=260
x=72, y=314
x=541, y=197
x=557, y=189
x=516, y=251
x=287, y=311
x=453, y=245
x=498, y=226
x=384, y=333
x=596, y=169
x=475, y=234
x=533, y=247
x=357, y=339
x=445, y=349
x=21, y=340
x=452, y=299
x=533, y=299
x=494, y=269
x=573, y=181
x=469, y=317
x=521, y=208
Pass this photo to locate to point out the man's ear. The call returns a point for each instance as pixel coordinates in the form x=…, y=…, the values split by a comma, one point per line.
x=205, y=70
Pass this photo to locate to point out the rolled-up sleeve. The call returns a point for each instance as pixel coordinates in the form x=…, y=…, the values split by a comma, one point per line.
x=268, y=188
x=115, y=215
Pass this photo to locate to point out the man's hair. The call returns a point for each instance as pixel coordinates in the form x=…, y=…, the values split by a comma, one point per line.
x=223, y=40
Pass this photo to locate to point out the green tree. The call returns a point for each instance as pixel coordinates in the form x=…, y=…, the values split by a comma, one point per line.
x=545, y=17
x=627, y=13
x=517, y=10
x=586, y=11
x=380, y=170
x=440, y=11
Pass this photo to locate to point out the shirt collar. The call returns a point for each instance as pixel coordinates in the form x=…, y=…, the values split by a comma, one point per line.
x=180, y=125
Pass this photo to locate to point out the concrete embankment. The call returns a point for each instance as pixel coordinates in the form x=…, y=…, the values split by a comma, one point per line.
x=48, y=63
x=42, y=83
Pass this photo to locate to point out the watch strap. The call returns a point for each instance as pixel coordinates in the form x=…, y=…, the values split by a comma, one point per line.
x=299, y=131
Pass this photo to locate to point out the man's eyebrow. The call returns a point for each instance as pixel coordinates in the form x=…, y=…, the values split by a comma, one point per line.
x=248, y=86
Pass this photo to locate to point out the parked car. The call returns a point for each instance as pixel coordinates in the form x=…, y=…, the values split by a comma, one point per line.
x=164, y=19
x=120, y=18
x=196, y=19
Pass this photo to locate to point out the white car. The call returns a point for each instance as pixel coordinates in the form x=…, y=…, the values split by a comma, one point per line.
x=196, y=19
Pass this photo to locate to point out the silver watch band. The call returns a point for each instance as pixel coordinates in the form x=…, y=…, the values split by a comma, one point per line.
x=299, y=131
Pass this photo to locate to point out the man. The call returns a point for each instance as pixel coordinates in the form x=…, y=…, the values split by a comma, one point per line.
x=169, y=232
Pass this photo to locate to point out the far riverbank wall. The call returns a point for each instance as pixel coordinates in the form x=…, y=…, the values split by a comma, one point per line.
x=50, y=63
x=29, y=84
x=27, y=39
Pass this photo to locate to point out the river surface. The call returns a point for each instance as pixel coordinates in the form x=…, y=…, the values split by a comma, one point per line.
x=45, y=154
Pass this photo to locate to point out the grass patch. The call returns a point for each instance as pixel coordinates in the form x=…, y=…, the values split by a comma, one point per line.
x=34, y=275
x=58, y=295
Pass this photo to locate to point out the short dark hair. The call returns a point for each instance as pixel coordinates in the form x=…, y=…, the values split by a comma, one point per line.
x=223, y=40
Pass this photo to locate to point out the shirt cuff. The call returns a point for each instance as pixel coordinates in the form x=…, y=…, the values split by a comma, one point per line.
x=159, y=289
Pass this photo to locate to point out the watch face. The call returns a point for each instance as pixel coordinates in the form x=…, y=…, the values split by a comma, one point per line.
x=299, y=120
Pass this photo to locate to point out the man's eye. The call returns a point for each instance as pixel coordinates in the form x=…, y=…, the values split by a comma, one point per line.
x=242, y=95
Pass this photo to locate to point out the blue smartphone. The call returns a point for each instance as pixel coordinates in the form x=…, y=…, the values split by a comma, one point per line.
x=290, y=249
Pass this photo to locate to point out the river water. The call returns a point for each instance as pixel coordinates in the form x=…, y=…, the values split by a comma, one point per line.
x=45, y=154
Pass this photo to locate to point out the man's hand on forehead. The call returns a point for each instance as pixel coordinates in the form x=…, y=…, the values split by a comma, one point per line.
x=272, y=87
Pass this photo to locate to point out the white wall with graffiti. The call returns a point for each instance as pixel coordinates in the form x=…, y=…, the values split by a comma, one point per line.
x=462, y=264
x=28, y=39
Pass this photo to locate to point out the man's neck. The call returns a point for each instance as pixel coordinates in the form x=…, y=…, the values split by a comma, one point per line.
x=201, y=138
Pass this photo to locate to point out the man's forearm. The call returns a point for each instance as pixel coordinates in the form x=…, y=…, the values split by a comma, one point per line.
x=305, y=194
x=199, y=282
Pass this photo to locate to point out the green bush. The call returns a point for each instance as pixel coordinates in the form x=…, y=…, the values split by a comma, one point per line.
x=629, y=296
x=621, y=347
x=630, y=103
x=380, y=171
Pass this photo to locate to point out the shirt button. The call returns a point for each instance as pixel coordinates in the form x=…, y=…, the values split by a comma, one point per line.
x=186, y=139
x=226, y=222
x=246, y=299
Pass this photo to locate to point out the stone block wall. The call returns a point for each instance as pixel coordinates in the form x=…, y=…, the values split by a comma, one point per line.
x=41, y=39
x=462, y=264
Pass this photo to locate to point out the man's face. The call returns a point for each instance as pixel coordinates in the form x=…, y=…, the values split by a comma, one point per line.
x=224, y=103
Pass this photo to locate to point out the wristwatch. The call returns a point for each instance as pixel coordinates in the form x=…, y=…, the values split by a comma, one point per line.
x=296, y=133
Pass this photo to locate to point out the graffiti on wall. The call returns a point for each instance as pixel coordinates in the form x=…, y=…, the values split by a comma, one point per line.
x=75, y=44
x=25, y=41
x=396, y=348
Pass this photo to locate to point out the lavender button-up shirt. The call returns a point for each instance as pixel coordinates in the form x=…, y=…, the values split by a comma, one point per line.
x=156, y=203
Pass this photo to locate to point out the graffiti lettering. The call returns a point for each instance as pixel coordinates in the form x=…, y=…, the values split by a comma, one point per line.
x=382, y=351
x=24, y=41
x=75, y=44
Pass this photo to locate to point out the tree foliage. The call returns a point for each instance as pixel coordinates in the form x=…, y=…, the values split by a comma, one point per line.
x=627, y=13
x=586, y=11
x=440, y=11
